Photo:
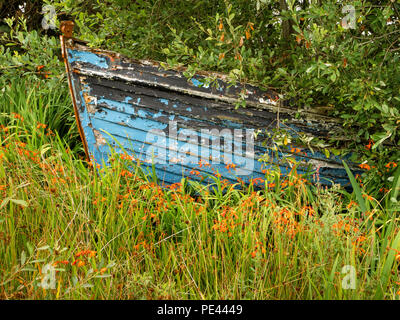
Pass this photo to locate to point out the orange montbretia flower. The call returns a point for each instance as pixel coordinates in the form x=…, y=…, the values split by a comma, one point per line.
x=17, y=116
x=368, y=197
x=78, y=263
x=41, y=125
x=89, y=253
x=81, y=263
x=194, y=172
x=256, y=181
x=365, y=166
x=175, y=186
x=127, y=157
x=391, y=165
x=230, y=166
x=102, y=270
x=351, y=204
x=370, y=144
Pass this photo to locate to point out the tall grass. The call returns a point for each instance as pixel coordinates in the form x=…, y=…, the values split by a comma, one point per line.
x=39, y=103
x=112, y=233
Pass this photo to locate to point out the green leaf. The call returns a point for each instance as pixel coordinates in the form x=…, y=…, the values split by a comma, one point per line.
x=396, y=186
x=23, y=258
x=102, y=276
x=29, y=247
x=28, y=269
x=356, y=188
x=22, y=203
x=387, y=268
x=43, y=248
x=296, y=28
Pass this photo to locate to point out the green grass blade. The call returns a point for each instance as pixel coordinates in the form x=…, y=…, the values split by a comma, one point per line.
x=387, y=268
x=356, y=188
x=396, y=187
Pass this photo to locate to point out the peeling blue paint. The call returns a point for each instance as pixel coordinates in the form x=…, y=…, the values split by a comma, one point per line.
x=87, y=57
x=148, y=122
x=137, y=124
x=165, y=101
x=142, y=113
x=115, y=104
x=158, y=114
x=198, y=83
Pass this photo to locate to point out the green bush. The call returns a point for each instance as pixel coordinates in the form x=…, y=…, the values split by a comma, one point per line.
x=300, y=50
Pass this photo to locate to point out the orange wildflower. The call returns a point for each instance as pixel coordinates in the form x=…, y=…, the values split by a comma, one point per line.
x=370, y=144
x=65, y=262
x=102, y=270
x=89, y=253
x=368, y=197
x=17, y=116
x=391, y=165
x=365, y=166
x=81, y=263
x=258, y=180
x=41, y=125
x=230, y=165
x=351, y=204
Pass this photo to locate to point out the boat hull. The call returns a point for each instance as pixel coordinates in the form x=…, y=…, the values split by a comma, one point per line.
x=179, y=128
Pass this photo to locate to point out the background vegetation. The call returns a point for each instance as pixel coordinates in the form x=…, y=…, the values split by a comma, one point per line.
x=118, y=235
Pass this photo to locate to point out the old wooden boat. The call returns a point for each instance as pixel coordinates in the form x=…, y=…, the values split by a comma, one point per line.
x=179, y=128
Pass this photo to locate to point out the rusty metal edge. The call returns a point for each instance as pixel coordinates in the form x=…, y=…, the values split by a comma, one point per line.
x=66, y=28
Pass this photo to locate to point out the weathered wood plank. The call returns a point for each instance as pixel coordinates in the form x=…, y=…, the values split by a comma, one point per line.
x=144, y=110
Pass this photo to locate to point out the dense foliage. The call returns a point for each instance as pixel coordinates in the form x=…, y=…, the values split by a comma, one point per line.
x=316, y=54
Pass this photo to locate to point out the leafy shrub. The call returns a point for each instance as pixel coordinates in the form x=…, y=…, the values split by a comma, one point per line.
x=299, y=49
x=29, y=53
